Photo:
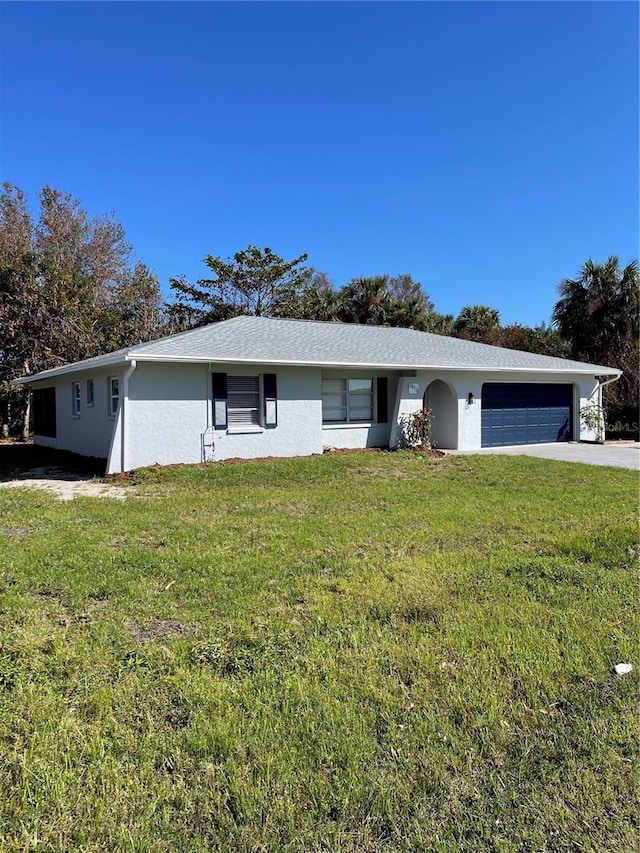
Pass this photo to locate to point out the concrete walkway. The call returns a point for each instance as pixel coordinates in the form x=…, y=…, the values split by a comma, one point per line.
x=616, y=455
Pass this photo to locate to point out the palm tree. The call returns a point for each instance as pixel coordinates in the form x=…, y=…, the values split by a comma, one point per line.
x=367, y=300
x=439, y=324
x=599, y=310
x=477, y=322
x=599, y=314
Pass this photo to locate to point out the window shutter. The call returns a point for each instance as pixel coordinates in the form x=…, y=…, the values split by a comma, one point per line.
x=219, y=381
x=270, y=389
x=382, y=399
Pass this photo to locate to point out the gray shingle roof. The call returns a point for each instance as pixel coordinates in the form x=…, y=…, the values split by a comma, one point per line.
x=261, y=340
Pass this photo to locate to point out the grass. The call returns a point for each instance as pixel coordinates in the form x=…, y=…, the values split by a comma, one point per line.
x=371, y=652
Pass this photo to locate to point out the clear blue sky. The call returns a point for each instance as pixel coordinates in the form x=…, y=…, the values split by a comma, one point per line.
x=488, y=149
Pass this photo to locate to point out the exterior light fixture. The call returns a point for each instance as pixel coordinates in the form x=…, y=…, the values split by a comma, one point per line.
x=470, y=399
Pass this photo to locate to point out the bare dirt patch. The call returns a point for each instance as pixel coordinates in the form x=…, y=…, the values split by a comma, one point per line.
x=16, y=531
x=160, y=629
x=63, y=474
x=62, y=484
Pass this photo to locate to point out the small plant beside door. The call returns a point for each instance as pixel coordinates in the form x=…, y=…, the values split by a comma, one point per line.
x=415, y=430
x=592, y=418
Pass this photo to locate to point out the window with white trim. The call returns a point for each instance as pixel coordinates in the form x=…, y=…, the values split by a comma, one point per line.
x=243, y=400
x=113, y=395
x=90, y=393
x=75, y=399
x=347, y=401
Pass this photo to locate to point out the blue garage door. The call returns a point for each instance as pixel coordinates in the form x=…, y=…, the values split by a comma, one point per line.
x=525, y=413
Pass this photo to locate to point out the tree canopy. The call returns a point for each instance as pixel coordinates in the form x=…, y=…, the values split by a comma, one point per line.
x=68, y=289
x=384, y=300
x=477, y=323
x=255, y=281
x=598, y=313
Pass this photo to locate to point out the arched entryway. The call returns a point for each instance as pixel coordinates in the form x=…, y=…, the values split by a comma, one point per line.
x=443, y=402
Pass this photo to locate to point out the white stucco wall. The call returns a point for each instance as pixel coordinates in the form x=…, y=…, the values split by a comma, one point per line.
x=298, y=432
x=169, y=417
x=470, y=415
x=89, y=434
x=166, y=414
x=586, y=392
x=353, y=436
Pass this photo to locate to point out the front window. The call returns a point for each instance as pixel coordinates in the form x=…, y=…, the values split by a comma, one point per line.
x=243, y=400
x=114, y=395
x=90, y=393
x=347, y=400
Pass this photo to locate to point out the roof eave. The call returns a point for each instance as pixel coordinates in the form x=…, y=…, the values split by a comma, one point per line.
x=124, y=358
x=76, y=367
x=589, y=370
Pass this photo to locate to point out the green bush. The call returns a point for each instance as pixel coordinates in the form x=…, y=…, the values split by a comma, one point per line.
x=416, y=429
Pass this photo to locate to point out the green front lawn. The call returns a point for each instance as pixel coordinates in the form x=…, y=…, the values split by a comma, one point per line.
x=369, y=652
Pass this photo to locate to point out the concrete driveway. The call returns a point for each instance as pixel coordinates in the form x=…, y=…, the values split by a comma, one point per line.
x=616, y=455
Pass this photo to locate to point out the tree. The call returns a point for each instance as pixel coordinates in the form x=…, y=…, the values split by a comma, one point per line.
x=67, y=290
x=413, y=306
x=316, y=299
x=384, y=300
x=405, y=289
x=548, y=341
x=254, y=281
x=95, y=300
x=367, y=301
x=21, y=314
x=477, y=323
x=134, y=313
x=598, y=311
x=541, y=339
x=599, y=314
x=21, y=347
x=439, y=324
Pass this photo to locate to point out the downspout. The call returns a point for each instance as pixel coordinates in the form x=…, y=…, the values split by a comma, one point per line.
x=124, y=456
x=601, y=385
x=209, y=396
x=208, y=430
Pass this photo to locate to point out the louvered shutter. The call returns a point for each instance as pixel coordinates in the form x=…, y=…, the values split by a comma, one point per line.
x=270, y=387
x=382, y=399
x=219, y=381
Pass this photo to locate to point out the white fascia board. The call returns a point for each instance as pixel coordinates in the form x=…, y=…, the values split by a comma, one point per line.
x=124, y=358
x=76, y=367
x=187, y=359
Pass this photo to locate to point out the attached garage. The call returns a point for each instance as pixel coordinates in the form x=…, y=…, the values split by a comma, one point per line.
x=526, y=413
